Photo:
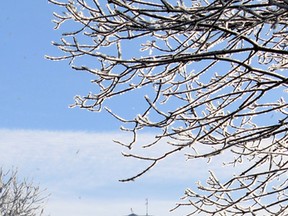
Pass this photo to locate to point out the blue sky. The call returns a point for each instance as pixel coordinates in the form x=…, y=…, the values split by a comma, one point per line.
x=35, y=92
x=69, y=151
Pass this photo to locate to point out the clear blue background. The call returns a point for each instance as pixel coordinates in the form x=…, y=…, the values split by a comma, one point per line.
x=35, y=93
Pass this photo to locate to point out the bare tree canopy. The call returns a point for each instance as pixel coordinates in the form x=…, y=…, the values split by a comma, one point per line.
x=213, y=75
x=19, y=198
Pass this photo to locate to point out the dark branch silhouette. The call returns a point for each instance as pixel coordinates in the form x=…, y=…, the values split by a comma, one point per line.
x=213, y=75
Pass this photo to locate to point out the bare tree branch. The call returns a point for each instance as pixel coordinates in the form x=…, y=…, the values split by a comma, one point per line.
x=214, y=77
x=19, y=198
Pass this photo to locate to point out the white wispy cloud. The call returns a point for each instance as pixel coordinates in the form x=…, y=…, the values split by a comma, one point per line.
x=81, y=171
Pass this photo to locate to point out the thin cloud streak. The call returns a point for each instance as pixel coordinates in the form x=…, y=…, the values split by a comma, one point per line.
x=79, y=166
x=81, y=170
